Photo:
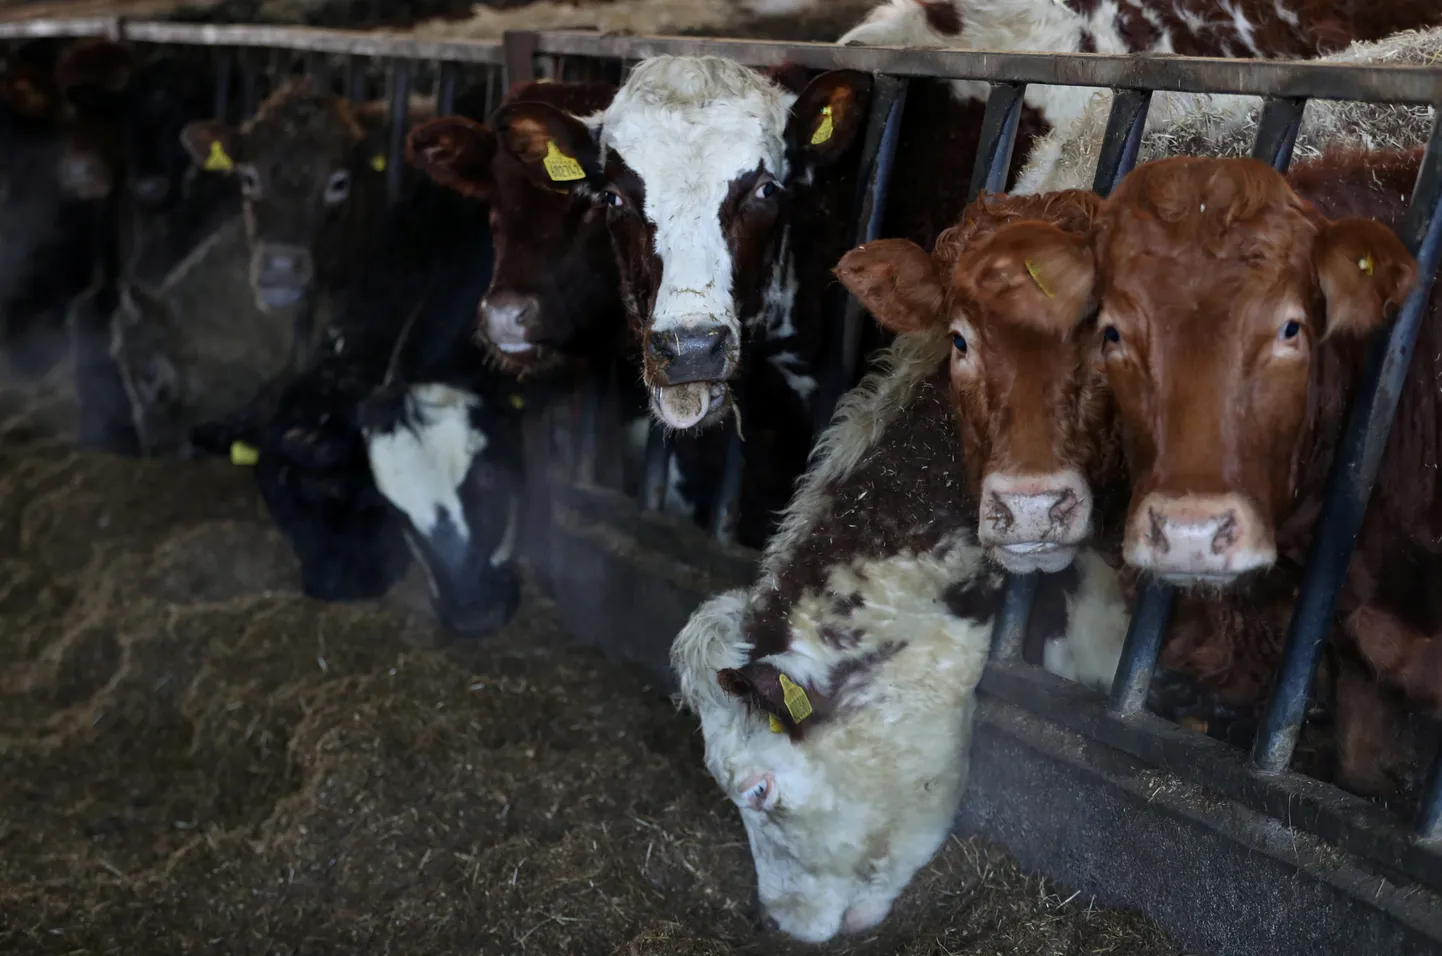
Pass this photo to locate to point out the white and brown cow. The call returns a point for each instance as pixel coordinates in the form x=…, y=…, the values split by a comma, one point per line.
x=836, y=696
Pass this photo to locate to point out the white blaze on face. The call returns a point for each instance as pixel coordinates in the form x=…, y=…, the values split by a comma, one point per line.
x=840, y=822
x=688, y=127
x=420, y=465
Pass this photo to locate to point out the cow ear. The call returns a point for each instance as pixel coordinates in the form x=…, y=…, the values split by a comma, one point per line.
x=212, y=146
x=556, y=148
x=455, y=152
x=765, y=687
x=828, y=114
x=1034, y=273
x=29, y=93
x=94, y=73
x=1363, y=268
x=897, y=283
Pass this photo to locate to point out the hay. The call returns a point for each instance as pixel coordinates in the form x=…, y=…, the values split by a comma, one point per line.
x=198, y=759
x=1180, y=124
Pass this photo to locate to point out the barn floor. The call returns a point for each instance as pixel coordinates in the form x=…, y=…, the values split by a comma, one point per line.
x=197, y=759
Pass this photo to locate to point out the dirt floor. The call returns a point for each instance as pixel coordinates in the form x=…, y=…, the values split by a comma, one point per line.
x=194, y=758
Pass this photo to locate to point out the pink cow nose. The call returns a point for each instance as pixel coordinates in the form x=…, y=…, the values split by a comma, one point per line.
x=1193, y=539
x=1034, y=522
x=506, y=318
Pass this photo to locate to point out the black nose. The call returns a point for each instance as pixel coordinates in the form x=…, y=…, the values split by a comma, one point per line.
x=678, y=356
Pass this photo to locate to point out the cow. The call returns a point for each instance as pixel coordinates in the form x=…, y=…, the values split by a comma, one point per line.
x=1033, y=412
x=837, y=695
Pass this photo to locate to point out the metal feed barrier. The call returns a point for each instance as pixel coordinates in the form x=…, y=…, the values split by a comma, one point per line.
x=1380, y=874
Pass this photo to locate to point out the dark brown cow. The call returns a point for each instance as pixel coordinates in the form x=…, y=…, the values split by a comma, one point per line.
x=553, y=292
x=1031, y=405
x=312, y=172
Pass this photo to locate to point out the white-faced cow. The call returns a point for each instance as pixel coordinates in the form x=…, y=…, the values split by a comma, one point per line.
x=836, y=696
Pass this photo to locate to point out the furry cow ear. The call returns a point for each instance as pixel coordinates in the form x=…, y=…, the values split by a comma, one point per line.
x=1034, y=273
x=212, y=146
x=765, y=687
x=896, y=281
x=1363, y=268
x=455, y=152
x=828, y=114
x=556, y=148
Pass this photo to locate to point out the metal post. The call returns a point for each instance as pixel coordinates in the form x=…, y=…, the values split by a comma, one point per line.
x=1009, y=631
x=997, y=139
x=400, y=105
x=1122, y=140
x=883, y=128
x=224, y=65
x=355, y=78
x=317, y=67
x=657, y=470
x=446, y=89
x=726, y=513
x=1149, y=622
x=1277, y=132
x=1429, y=811
x=520, y=49
x=249, y=84
x=1354, y=471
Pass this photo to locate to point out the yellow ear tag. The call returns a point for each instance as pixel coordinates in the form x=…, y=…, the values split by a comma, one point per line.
x=219, y=160
x=243, y=454
x=1365, y=264
x=798, y=705
x=777, y=727
x=517, y=401
x=824, y=131
x=1035, y=274
x=560, y=167
x=378, y=163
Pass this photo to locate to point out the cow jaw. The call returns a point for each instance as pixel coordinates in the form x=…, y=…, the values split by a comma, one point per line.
x=690, y=406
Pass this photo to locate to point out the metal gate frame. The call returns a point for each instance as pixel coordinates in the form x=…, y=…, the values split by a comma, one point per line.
x=1048, y=753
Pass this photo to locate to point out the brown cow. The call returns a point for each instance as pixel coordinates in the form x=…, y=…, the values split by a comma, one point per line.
x=554, y=292
x=1031, y=405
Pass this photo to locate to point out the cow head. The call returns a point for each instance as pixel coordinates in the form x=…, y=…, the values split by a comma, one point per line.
x=694, y=163
x=1221, y=294
x=310, y=169
x=449, y=462
x=1011, y=285
x=554, y=292
x=165, y=96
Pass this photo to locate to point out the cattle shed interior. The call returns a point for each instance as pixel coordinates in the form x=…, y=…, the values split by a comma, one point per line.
x=197, y=757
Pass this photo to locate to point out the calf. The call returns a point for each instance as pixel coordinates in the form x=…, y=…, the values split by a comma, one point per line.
x=1031, y=405
x=836, y=695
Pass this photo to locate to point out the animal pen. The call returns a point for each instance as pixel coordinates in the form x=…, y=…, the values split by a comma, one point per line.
x=1230, y=850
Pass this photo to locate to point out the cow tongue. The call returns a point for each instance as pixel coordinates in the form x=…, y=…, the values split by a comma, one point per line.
x=682, y=406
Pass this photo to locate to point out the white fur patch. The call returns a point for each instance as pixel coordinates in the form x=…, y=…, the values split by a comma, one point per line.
x=689, y=126
x=419, y=467
x=1096, y=627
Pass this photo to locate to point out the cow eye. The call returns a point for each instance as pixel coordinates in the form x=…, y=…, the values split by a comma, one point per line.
x=1110, y=335
x=1291, y=329
x=613, y=199
x=337, y=188
x=767, y=189
x=249, y=182
x=958, y=342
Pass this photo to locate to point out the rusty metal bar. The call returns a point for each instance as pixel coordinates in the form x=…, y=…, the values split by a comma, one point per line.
x=1122, y=139
x=400, y=96
x=998, y=138
x=1277, y=132
x=1354, y=471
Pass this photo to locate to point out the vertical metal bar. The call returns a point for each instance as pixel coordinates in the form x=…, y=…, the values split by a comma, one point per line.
x=1143, y=644
x=1429, y=811
x=1354, y=471
x=317, y=67
x=1277, y=132
x=883, y=128
x=249, y=84
x=400, y=74
x=355, y=78
x=536, y=456
x=493, y=96
x=657, y=471
x=1009, y=631
x=593, y=394
x=520, y=56
x=224, y=66
x=1122, y=139
x=998, y=138
x=727, y=511
x=446, y=89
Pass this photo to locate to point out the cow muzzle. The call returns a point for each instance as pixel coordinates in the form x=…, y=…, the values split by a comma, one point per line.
x=687, y=367
x=1198, y=539
x=507, y=319
x=281, y=275
x=1034, y=522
